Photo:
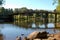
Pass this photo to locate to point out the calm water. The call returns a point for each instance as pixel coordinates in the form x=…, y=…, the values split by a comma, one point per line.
x=10, y=31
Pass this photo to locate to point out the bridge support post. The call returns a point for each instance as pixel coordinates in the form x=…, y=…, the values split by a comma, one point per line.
x=46, y=19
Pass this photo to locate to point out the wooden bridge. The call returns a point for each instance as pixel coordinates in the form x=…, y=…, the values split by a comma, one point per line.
x=46, y=13
x=10, y=17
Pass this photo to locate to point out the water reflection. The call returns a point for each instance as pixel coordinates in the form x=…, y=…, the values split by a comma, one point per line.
x=42, y=26
x=10, y=31
x=34, y=23
x=49, y=25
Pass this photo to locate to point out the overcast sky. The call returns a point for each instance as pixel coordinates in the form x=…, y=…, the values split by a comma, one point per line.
x=33, y=4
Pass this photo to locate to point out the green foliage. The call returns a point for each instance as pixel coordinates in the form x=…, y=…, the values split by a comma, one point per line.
x=58, y=5
x=59, y=2
x=23, y=10
x=4, y=11
x=1, y=2
x=58, y=8
x=1, y=10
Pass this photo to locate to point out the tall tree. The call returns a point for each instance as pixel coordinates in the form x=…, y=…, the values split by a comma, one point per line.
x=58, y=5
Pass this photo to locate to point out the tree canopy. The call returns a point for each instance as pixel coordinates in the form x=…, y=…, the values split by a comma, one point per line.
x=1, y=2
x=58, y=5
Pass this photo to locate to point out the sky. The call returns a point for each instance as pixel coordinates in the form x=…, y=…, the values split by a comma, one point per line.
x=30, y=4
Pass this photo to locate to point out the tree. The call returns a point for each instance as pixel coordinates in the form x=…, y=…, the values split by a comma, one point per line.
x=1, y=10
x=15, y=11
x=58, y=5
x=23, y=10
x=37, y=12
x=58, y=8
x=1, y=2
x=8, y=11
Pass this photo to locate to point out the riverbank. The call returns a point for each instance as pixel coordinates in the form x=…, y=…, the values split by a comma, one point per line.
x=36, y=35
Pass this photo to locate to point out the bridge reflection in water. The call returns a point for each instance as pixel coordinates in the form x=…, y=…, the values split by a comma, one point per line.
x=43, y=20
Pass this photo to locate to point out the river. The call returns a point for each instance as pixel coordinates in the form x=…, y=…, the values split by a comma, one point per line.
x=11, y=31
